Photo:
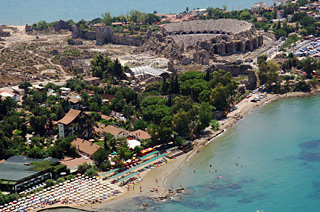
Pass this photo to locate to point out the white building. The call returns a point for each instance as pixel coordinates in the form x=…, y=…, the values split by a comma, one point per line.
x=5, y=94
x=144, y=72
x=198, y=12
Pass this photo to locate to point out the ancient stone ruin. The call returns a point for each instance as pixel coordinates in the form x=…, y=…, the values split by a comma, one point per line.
x=204, y=38
x=104, y=35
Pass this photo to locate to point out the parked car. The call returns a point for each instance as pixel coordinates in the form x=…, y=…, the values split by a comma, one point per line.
x=233, y=108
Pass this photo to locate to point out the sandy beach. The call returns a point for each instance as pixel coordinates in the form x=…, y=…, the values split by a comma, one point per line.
x=161, y=177
x=153, y=182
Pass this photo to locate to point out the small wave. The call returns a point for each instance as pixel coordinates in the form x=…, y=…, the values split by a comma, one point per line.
x=215, y=137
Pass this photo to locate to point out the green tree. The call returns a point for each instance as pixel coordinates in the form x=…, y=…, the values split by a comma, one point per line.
x=60, y=180
x=214, y=124
x=151, y=18
x=205, y=114
x=262, y=58
x=245, y=15
x=107, y=18
x=268, y=73
x=134, y=15
x=83, y=168
x=308, y=65
x=219, y=96
x=100, y=156
x=181, y=122
x=36, y=152
x=105, y=110
x=49, y=183
x=140, y=124
x=91, y=172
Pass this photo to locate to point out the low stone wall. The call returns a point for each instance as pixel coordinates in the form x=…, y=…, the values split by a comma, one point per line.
x=127, y=40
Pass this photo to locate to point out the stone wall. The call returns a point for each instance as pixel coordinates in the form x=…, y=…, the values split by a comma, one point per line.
x=78, y=33
x=252, y=80
x=234, y=69
x=127, y=40
x=201, y=57
x=224, y=46
x=104, y=35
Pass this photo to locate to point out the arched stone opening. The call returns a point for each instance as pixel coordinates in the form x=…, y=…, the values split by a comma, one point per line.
x=238, y=47
x=215, y=50
x=228, y=50
x=205, y=32
x=248, y=46
x=191, y=32
x=254, y=43
x=198, y=32
x=212, y=32
x=260, y=40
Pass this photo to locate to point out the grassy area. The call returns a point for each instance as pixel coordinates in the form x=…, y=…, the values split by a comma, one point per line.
x=240, y=78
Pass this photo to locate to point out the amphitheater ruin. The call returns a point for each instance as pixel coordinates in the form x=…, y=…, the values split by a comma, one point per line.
x=221, y=37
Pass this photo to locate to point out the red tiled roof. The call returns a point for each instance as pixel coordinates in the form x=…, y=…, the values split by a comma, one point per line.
x=70, y=116
x=75, y=162
x=85, y=146
x=141, y=134
x=114, y=130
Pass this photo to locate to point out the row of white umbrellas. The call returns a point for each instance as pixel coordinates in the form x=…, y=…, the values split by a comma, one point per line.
x=80, y=190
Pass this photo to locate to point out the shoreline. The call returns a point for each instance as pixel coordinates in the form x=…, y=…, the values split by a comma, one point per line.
x=161, y=177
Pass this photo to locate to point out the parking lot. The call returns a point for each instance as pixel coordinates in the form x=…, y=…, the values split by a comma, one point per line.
x=308, y=48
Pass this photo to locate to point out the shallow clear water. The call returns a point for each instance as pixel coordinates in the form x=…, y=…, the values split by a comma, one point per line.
x=20, y=12
x=269, y=162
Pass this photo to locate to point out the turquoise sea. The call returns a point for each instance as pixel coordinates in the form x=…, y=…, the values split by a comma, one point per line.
x=20, y=12
x=269, y=162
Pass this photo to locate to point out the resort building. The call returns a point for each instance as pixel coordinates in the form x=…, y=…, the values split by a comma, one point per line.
x=75, y=123
x=117, y=132
x=73, y=164
x=74, y=100
x=16, y=174
x=140, y=135
x=86, y=148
